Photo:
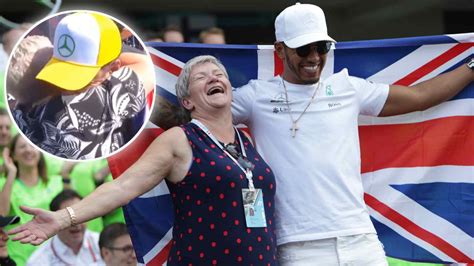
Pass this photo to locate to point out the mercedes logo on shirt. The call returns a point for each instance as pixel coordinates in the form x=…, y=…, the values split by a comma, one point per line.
x=66, y=45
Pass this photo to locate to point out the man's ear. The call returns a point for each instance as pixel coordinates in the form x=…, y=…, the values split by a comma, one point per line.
x=280, y=50
x=105, y=253
x=187, y=104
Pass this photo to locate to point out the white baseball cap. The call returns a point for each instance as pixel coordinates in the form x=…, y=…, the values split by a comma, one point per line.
x=301, y=24
x=83, y=43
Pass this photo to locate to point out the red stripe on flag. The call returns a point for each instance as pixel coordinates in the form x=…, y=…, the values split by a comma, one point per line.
x=165, y=65
x=161, y=257
x=278, y=64
x=121, y=161
x=149, y=99
x=444, y=141
x=433, y=64
x=416, y=230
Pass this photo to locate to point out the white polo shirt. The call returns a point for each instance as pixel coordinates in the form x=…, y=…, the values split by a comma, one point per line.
x=319, y=190
x=55, y=252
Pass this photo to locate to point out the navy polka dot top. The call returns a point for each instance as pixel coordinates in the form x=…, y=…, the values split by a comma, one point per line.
x=209, y=226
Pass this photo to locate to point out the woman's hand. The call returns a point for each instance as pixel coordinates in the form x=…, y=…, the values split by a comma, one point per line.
x=3, y=244
x=9, y=164
x=44, y=225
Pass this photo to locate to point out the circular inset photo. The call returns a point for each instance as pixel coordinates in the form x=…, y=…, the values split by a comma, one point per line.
x=80, y=85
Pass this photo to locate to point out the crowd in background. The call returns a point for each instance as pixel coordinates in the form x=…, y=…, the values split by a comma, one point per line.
x=173, y=33
x=29, y=177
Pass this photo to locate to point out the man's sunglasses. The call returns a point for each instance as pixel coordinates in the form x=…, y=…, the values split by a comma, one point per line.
x=321, y=47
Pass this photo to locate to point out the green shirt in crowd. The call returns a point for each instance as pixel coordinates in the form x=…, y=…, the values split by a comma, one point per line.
x=83, y=182
x=39, y=196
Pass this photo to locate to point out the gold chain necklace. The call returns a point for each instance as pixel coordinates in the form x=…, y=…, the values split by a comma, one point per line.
x=294, y=123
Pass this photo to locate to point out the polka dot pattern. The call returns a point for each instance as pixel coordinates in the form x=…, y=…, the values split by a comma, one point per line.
x=209, y=226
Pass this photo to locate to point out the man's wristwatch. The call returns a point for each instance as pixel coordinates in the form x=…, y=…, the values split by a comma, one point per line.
x=470, y=64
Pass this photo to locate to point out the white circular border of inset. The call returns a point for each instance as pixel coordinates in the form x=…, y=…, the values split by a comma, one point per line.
x=148, y=110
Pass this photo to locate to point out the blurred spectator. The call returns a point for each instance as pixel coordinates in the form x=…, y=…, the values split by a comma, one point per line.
x=26, y=183
x=172, y=33
x=155, y=39
x=5, y=260
x=151, y=36
x=167, y=115
x=5, y=134
x=74, y=245
x=84, y=177
x=212, y=35
x=5, y=129
x=11, y=37
x=116, y=246
x=9, y=40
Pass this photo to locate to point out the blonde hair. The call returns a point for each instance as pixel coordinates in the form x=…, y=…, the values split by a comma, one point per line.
x=23, y=57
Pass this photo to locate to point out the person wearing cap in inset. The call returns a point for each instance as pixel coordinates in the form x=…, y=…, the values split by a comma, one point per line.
x=312, y=143
x=75, y=245
x=5, y=260
x=99, y=104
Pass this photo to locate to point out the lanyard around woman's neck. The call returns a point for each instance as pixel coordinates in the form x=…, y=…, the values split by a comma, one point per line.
x=246, y=170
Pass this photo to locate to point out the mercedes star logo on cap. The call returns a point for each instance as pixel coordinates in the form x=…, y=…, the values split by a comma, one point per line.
x=66, y=45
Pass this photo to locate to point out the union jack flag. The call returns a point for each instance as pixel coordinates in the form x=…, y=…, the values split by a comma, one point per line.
x=418, y=168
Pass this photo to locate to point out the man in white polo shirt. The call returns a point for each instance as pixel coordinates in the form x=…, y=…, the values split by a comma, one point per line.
x=306, y=129
x=74, y=245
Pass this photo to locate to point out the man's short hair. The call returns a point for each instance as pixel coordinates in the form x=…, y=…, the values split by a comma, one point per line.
x=212, y=30
x=172, y=28
x=172, y=33
x=23, y=57
x=111, y=233
x=167, y=115
x=65, y=195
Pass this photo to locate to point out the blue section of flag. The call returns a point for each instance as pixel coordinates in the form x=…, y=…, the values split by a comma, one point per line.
x=468, y=91
x=148, y=220
x=240, y=60
x=365, y=62
x=398, y=42
x=452, y=201
x=400, y=247
x=167, y=95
